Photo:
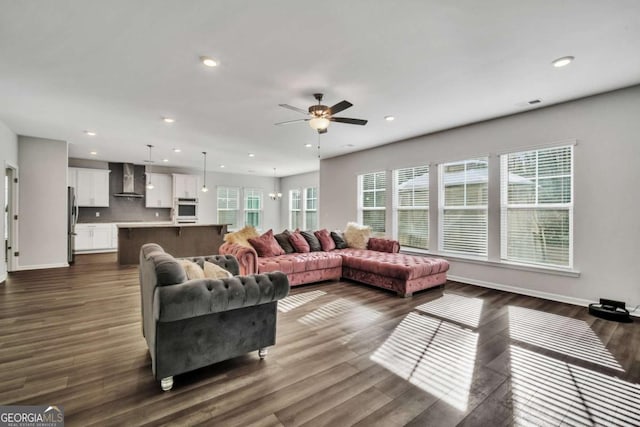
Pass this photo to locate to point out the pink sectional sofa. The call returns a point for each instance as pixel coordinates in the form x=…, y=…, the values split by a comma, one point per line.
x=379, y=265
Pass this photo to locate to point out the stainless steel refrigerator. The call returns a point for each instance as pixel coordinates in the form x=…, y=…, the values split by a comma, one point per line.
x=72, y=217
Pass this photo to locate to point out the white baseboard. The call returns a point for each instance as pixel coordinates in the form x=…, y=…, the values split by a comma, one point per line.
x=522, y=291
x=3, y=277
x=42, y=266
x=532, y=293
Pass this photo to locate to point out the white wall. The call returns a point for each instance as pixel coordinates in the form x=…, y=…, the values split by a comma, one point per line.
x=607, y=175
x=295, y=182
x=8, y=155
x=43, y=203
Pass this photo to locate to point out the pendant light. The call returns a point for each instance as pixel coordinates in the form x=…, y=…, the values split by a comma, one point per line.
x=204, y=188
x=275, y=195
x=149, y=184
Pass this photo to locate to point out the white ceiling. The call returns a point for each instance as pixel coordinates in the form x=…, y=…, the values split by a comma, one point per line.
x=118, y=67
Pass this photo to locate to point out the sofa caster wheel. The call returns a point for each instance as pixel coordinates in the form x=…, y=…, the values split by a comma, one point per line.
x=166, y=383
x=262, y=353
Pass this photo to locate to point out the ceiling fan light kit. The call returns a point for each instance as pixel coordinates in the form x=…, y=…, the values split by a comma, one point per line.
x=321, y=115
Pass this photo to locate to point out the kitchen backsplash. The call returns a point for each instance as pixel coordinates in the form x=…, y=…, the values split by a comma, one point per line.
x=123, y=209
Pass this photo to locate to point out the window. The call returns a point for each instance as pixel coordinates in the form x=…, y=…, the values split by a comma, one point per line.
x=228, y=206
x=311, y=208
x=372, y=201
x=295, y=211
x=411, y=206
x=463, y=207
x=537, y=206
x=252, y=207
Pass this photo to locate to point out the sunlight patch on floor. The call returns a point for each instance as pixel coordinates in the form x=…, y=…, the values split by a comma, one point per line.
x=456, y=308
x=561, y=334
x=434, y=355
x=294, y=301
x=547, y=391
x=339, y=307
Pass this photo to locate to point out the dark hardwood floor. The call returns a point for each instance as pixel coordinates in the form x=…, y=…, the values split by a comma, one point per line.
x=346, y=354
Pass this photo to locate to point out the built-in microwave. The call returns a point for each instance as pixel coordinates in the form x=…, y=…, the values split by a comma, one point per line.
x=186, y=210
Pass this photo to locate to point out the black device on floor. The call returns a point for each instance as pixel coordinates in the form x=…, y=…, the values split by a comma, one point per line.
x=610, y=310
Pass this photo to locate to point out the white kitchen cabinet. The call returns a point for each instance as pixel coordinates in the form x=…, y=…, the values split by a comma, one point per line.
x=94, y=238
x=161, y=195
x=92, y=187
x=185, y=186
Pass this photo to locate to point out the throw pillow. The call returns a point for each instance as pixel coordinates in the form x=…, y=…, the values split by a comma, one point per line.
x=299, y=243
x=339, y=240
x=266, y=245
x=192, y=269
x=357, y=235
x=242, y=236
x=326, y=241
x=283, y=241
x=214, y=271
x=312, y=240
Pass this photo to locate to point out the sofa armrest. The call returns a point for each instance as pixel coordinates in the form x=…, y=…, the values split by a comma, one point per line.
x=247, y=257
x=199, y=297
x=383, y=245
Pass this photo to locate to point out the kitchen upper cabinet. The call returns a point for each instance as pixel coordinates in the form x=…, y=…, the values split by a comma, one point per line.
x=94, y=237
x=185, y=186
x=92, y=187
x=161, y=195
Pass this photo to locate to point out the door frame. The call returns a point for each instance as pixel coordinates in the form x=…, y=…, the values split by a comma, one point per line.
x=12, y=223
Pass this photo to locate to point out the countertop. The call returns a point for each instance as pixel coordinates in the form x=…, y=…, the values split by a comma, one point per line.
x=163, y=225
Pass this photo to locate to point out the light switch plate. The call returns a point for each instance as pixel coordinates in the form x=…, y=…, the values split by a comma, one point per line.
x=97, y=214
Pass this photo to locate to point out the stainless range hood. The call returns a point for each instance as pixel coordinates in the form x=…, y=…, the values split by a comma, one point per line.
x=128, y=181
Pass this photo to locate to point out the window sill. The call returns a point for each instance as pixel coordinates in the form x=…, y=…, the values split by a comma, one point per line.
x=500, y=264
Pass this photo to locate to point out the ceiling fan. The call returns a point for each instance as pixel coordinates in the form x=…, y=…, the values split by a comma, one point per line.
x=320, y=115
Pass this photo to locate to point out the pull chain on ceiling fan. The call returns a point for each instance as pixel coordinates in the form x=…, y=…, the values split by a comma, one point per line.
x=321, y=115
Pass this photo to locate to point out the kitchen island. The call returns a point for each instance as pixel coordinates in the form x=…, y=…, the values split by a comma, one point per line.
x=180, y=240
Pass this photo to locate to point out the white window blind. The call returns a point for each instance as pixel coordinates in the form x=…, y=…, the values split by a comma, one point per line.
x=295, y=211
x=537, y=206
x=253, y=207
x=228, y=206
x=311, y=208
x=411, y=206
x=372, y=201
x=463, y=207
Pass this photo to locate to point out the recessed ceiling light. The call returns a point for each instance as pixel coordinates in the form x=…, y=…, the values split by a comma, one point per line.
x=534, y=101
x=168, y=120
x=165, y=160
x=251, y=155
x=222, y=166
x=563, y=62
x=176, y=150
x=389, y=118
x=209, y=62
x=90, y=133
x=93, y=153
x=308, y=145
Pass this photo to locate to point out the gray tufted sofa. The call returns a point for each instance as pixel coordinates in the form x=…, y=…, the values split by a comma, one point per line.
x=189, y=324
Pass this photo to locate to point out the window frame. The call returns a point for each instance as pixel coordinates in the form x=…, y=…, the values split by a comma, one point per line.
x=442, y=207
x=397, y=208
x=234, y=226
x=295, y=212
x=253, y=192
x=362, y=208
x=505, y=206
x=306, y=209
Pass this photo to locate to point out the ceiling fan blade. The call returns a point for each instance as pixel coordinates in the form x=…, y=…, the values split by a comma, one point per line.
x=291, y=107
x=288, y=122
x=349, y=121
x=340, y=106
x=322, y=130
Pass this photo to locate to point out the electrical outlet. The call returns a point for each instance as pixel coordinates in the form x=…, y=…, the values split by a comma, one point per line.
x=97, y=214
x=157, y=214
